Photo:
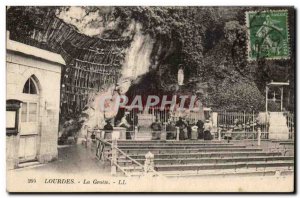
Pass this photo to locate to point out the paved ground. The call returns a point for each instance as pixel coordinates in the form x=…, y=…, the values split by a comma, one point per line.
x=72, y=159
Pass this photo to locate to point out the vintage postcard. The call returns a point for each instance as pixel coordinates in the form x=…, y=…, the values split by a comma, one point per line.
x=150, y=99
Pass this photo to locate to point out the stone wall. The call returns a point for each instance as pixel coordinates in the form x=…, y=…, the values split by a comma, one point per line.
x=19, y=68
x=12, y=149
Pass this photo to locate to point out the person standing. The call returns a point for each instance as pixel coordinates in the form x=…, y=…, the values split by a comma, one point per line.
x=156, y=128
x=200, y=125
x=108, y=128
x=188, y=135
x=207, y=130
x=171, y=130
x=194, y=132
x=182, y=128
x=124, y=121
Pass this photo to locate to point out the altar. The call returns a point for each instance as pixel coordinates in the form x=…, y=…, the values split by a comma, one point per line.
x=145, y=120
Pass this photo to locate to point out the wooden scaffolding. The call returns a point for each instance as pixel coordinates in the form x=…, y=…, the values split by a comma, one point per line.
x=91, y=62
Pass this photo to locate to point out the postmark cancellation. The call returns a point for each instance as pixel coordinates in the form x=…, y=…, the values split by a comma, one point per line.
x=268, y=34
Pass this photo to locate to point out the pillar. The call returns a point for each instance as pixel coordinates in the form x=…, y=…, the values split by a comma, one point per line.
x=114, y=156
x=281, y=98
x=177, y=133
x=149, y=163
x=258, y=136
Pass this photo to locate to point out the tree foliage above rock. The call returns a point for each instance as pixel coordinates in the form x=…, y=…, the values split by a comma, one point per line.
x=210, y=43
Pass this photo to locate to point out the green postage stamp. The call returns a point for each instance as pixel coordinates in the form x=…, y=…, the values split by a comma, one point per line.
x=268, y=34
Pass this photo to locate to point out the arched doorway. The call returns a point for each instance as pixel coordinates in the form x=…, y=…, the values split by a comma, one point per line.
x=29, y=130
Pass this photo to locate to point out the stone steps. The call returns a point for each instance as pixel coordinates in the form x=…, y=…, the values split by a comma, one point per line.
x=207, y=155
x=258, y=171
x=230, y=172
x=200, y=158
x=210, y=160
x=193, y=150
x=278, y=128
x=127, y=147
x=283, y=141
x=187, y=167
x=175, y=144
x=287, y=143
x=222, y=173
x=28, y=164
x=140, y=136
x=135, y=142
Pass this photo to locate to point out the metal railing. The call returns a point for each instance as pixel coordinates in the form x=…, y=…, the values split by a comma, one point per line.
x=116, y=154
x=256, y=139
x=131, y=135
x=243, y=120
x=164, y=115
x=290, y=123
x=250, y=121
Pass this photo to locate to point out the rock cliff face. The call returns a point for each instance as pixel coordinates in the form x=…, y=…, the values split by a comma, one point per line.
x=147, y=46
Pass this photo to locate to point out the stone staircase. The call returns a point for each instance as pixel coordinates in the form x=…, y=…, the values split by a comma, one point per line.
x=143, y=136
x=287, y=146
x=29, y=164
x=278, y=126
x=199, y=158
